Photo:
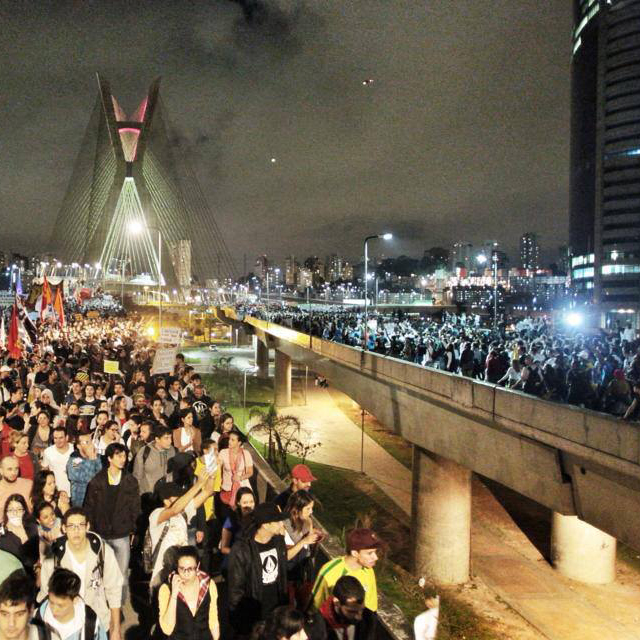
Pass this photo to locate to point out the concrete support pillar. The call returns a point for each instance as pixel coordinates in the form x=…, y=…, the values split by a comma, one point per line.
x=262, y=358
x=244, y=338
x=283, y=379
x=441, y=518
x=581, y=552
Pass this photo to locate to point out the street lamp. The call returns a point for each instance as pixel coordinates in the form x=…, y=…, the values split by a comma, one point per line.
x=482, y=259
x=276, y=271
x=136, y=227
x=383, y=236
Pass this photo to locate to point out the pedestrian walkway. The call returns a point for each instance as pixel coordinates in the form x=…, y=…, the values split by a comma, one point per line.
x=501, y=555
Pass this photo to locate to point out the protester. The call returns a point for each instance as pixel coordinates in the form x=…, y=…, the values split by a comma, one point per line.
x=11, y=483
x=28, y=462
x=16, y=607
x=188, y=600
x=87, y=555
x=56, y=457
x=283, y=623
x=150, y=464
x=344, y=612
x=19, y=533
x=301, y=479
x=114, y=491
x=82, y=466
x=257, y=569
x=64, y=614
x=237, y=468
x=168, y=524
x=362, y=547
x=45, y=489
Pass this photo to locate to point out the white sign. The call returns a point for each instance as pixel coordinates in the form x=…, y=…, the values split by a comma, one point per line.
x=164, y=361
x=170, y=335
x=7, y=298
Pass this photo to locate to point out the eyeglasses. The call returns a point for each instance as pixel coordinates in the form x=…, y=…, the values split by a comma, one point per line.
x=15, y=512
x=187, y=570
x=76, y=527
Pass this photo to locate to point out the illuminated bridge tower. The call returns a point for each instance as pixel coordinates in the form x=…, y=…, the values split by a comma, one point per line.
x=130, y=174
x=605, y=157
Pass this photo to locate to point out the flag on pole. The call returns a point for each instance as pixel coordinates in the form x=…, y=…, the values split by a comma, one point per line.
x=13, y=345
x=58, y=306
x=26, y=323
x=47, y=298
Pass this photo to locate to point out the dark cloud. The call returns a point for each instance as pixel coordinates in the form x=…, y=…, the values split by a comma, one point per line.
x=462, y=135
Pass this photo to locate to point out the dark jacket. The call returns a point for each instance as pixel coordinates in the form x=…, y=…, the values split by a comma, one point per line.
x=115, y=518
x=244, y=576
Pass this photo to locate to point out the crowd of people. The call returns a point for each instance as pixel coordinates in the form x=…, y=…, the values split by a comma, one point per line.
x=598, y=371
x=114, y=485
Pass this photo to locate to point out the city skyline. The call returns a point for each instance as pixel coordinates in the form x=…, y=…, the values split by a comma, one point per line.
x=286, y=132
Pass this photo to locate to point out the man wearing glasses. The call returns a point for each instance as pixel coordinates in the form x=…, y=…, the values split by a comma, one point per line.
x=86, y=554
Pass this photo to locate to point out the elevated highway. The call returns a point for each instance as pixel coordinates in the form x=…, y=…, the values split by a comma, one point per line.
x=583, y=465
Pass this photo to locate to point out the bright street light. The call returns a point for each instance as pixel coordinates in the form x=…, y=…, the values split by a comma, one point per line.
x=383, y=236
x=481, y=258
x=135, y=226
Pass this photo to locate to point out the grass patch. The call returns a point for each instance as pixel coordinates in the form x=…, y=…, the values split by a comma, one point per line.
x=346, y=498
x=629, y=556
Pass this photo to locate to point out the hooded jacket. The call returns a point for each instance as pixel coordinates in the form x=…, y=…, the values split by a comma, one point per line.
x=102, y=579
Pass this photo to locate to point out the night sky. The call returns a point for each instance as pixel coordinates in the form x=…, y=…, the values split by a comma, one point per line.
x=462, y=135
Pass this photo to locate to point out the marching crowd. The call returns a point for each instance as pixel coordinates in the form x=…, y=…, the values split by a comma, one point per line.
x=135, y=478
x=599, y=372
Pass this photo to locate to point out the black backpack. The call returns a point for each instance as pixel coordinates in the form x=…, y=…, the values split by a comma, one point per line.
x=59, y=546
x=90, y=624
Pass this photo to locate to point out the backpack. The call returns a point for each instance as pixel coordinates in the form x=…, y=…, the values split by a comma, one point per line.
x=149, y=552
x=59, y=546
x=90, y=624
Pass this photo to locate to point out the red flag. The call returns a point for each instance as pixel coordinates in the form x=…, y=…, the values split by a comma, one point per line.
x=58, y=307
x=47, y=298
x=12, y=341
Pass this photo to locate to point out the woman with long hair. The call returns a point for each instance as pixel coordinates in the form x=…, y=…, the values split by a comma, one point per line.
x=226, y=427
x=18, y=533
x=49, y=527
x=119, y=411
x=44, y=490
x=237, y=468
x=27, y=460
x=41, y=433
x=187, y=436
x=188, y=600
x=300, y=546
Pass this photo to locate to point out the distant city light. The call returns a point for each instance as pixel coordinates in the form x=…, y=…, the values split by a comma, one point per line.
x=574, y=319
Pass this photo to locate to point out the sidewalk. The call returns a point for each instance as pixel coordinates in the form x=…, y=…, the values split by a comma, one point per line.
x=501, y=555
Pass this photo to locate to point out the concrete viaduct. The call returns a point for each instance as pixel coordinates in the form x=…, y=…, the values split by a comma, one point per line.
x=583, y=465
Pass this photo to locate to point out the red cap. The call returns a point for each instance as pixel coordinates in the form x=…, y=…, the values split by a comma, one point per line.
x=359, y=539
x=303, y=473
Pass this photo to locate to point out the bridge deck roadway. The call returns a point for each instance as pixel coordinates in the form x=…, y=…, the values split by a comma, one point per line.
x=573, y=461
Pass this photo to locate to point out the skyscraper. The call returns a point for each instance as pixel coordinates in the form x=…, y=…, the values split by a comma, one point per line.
x=605, y=156
x=462, y=256
x=133, y=198
x=529, y=252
